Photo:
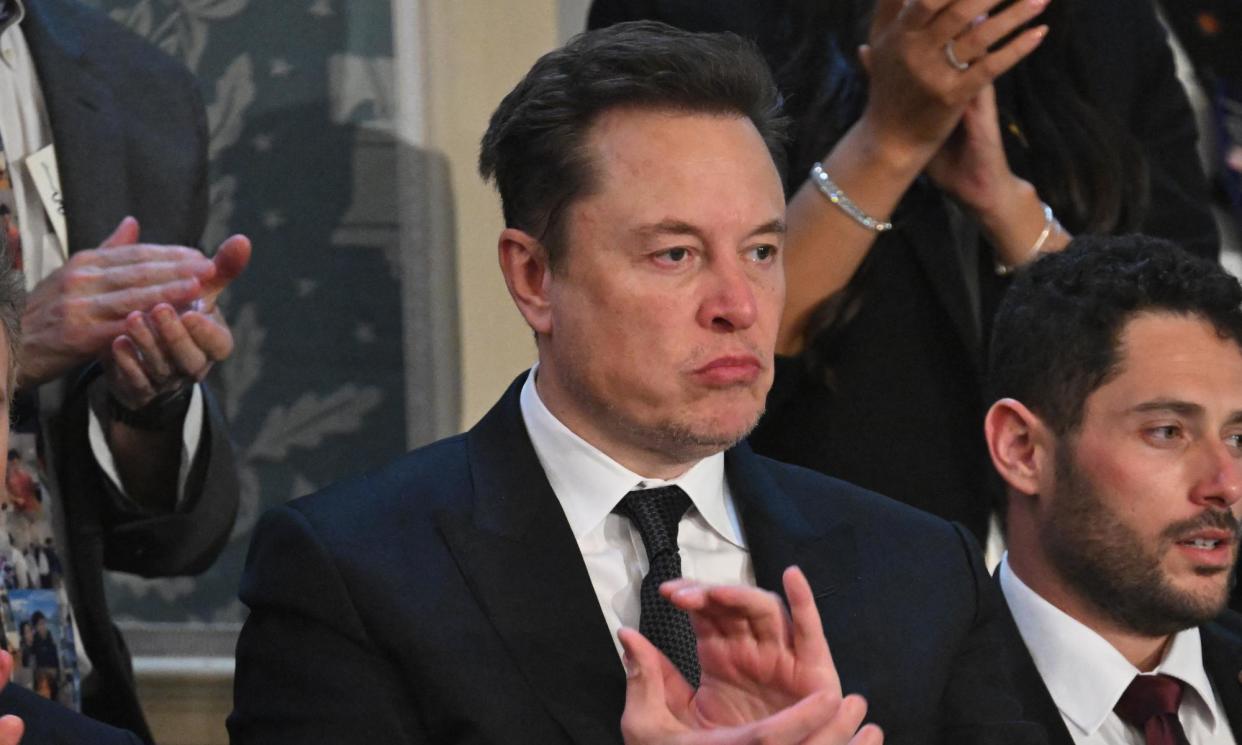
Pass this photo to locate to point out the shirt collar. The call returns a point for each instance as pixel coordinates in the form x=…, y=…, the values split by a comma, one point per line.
x=589, y=483
x=1083, y=672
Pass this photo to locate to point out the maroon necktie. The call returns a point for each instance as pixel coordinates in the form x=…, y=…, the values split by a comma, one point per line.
x=1151, y=703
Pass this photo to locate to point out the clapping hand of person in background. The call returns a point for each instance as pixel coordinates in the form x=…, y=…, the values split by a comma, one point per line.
x=87, y=308
x=767, y=675
x=971, y=166
x=165, y=348
x=926, y=62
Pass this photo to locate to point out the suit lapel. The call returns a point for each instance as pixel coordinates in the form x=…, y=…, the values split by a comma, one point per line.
x=779, y=535
x=1222, y=658
x=90, y=149
x=1028, y=684
x=520, y=559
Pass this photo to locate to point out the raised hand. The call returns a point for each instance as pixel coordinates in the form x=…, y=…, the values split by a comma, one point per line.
x=767, y=677
x=916, y=94
x=74, y=314
x=163, y=350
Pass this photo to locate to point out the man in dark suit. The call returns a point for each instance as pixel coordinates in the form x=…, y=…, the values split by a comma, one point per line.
x=1117, y=372
x=121, y=323
x=472, y=590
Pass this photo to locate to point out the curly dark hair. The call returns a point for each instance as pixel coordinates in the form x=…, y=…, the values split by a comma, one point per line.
x=534, y=145
x=1056, y=335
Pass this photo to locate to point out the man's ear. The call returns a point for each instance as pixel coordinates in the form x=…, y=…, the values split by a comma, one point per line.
x=1016, y=440
x=524, y=264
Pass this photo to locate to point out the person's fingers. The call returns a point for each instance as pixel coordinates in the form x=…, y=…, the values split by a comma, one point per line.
x=127, y=378
x=974, y=42
x=844, y=725
x=187, y=358
x=210, y=333
x=150, y=353
x=120, y=303
x=112, y=277
x=918, y=14
x=871, y=734
x=11, y=729
x=6, y=667
x=761, y=614
x=231, y=259
x=646, y=712
x=798, y=722
x=126, y=232
x=997, y=63
x=808, y=630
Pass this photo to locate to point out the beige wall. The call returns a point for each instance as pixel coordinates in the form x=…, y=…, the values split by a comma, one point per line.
x=477, y=51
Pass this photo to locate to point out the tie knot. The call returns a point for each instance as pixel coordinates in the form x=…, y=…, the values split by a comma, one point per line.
x=656, y=513
x=1149, y=696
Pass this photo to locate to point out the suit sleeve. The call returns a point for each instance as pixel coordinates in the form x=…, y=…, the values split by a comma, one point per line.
x=979, y=707
x=48, y=722
x=187, y=540
x=307, y=669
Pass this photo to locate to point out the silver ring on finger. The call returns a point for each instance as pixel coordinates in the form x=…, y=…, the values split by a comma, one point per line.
x=951, y=55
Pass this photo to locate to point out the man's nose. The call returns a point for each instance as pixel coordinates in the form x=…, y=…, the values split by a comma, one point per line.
x=1221, y=485
x=729, y=302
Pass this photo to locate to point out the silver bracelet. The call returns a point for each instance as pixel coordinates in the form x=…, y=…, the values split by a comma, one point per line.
x=834, y=194
x=1050, y=224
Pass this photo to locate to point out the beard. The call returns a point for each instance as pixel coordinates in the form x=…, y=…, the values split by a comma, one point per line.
x=1113, y=568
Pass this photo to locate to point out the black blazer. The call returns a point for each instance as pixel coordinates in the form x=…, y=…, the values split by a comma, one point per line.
x=443, y=599
x=131, y=139
x=49, y=723
x=907, y=369
x=1222, y=658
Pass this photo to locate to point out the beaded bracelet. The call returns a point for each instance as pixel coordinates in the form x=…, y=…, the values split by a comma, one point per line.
x=834, y=194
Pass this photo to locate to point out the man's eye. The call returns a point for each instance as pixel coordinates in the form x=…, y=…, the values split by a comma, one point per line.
x=676, y=255
x=762, y=253
x=1167, y=432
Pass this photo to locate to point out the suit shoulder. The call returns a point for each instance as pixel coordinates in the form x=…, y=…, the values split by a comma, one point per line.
x=120, y=52
x=48, y=722
x=815, y=491
x=422, y=480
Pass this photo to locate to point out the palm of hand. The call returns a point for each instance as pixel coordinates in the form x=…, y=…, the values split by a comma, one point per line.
x=745, y=685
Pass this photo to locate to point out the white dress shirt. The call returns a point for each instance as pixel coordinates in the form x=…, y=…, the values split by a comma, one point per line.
x=1087, y=676
x=589, y=484
x=24, y=131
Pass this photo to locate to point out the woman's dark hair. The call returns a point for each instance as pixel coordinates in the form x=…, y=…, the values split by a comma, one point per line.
x=1087, y=166
x=534, y=147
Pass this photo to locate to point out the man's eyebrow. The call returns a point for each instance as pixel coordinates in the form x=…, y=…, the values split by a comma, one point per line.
x=681, y=227
x=1171, y=405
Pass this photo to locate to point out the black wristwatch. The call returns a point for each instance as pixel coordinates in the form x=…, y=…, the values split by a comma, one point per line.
x=163, y=413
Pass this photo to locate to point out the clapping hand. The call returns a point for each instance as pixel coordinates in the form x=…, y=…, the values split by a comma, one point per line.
x=767, y=675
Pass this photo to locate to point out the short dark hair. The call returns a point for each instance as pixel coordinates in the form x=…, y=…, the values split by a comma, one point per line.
x=534, y=147
x=1057, y=332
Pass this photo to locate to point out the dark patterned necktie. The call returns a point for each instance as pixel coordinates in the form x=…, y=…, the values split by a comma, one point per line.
x=1151, y=703
x=656, y=513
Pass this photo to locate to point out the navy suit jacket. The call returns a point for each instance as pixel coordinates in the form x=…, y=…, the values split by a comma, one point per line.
x=443, y=599
x=1222, y=658
x=49, y=723
x=131, y=139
